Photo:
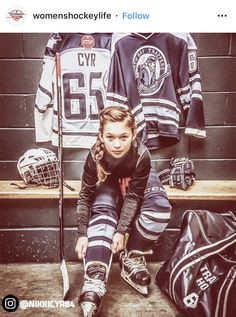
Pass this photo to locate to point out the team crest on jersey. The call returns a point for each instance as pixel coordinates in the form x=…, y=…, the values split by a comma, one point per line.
x=151, y=69
x=87, y=41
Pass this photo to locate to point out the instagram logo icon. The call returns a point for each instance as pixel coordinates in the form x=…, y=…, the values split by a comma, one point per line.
x=10, y=303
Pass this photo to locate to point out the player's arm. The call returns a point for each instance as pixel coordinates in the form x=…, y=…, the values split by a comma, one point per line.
x=135, y=192
x=44, y=100
x=86, y=195
x=116, y=91
x=190, y=91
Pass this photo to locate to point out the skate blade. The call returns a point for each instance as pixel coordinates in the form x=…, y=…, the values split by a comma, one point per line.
x=141, y=289
x=89, y=309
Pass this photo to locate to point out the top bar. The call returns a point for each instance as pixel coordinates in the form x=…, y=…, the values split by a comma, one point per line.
x=120, y=16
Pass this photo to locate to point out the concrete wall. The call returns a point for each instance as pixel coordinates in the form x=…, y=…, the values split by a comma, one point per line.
x=29, y=229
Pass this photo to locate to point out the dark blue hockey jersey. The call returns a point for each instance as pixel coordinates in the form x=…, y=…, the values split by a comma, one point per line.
x=156, y=76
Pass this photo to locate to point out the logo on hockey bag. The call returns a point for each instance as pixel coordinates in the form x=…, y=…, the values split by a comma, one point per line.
x=151, y=69
x=191, y=300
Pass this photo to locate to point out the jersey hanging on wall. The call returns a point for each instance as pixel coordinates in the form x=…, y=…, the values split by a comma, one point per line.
x=85, y=61
x=156, y=76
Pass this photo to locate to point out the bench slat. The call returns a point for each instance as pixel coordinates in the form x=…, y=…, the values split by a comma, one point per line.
x=201, y=190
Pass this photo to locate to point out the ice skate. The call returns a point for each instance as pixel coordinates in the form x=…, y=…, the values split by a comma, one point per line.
x=134, y=270
x=89, y=309
x=93, y=289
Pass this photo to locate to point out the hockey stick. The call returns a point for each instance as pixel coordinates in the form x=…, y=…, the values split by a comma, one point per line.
x=63, y=267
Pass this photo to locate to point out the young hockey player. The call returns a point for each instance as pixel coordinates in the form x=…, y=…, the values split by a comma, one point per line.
x=120, y=193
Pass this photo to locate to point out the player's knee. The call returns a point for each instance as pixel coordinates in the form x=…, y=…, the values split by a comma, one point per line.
x=106, y=201
x=157, y=204
x=163, y=205
x=155, y=214
x=104, y=210
x=106, y=194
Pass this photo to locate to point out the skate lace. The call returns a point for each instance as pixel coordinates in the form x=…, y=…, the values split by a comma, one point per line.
x=92, y=285
x=137, y=263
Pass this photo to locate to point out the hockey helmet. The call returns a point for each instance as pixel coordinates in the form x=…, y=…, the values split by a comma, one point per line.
x=40, y=166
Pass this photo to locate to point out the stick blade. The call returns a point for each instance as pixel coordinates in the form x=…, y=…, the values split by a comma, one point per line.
x=65, y=278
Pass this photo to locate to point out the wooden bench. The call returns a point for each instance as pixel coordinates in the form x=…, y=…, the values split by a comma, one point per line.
x=200, y=190
x=29, y=229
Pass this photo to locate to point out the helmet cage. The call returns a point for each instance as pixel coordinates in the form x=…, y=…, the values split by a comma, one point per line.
x=39, y=166
x=46, y=174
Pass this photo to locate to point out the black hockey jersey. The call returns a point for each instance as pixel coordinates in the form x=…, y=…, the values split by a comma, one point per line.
x=156, y=76
x=85, y=61
x=135, y=164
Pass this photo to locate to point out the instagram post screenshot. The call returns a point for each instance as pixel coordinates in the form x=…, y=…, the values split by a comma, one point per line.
x=118, y=159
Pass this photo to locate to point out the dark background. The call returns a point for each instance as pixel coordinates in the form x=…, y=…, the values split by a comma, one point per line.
x=29, y=229
x=21, y=58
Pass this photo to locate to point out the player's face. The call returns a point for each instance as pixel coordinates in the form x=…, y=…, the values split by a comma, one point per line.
x=117, y=138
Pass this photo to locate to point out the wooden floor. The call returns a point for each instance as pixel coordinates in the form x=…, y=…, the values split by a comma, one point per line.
x=43, y=282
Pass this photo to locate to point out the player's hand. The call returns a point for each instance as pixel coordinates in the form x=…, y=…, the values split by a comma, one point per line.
x=81, y=247
x=118, y=242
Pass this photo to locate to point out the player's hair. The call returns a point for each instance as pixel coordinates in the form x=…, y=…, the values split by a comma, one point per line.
x=110, y=114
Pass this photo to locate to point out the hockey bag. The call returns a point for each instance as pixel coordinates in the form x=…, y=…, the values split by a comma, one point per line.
x=200, y=275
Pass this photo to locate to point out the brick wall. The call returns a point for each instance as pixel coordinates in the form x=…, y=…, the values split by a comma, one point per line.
x=29, y=229
x=214, y=157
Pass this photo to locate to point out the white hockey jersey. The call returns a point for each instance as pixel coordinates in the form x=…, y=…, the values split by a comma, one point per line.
x=85, y=61
x=156, y=76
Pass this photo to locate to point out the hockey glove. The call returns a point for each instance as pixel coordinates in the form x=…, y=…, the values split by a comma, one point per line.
x=182, y=173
